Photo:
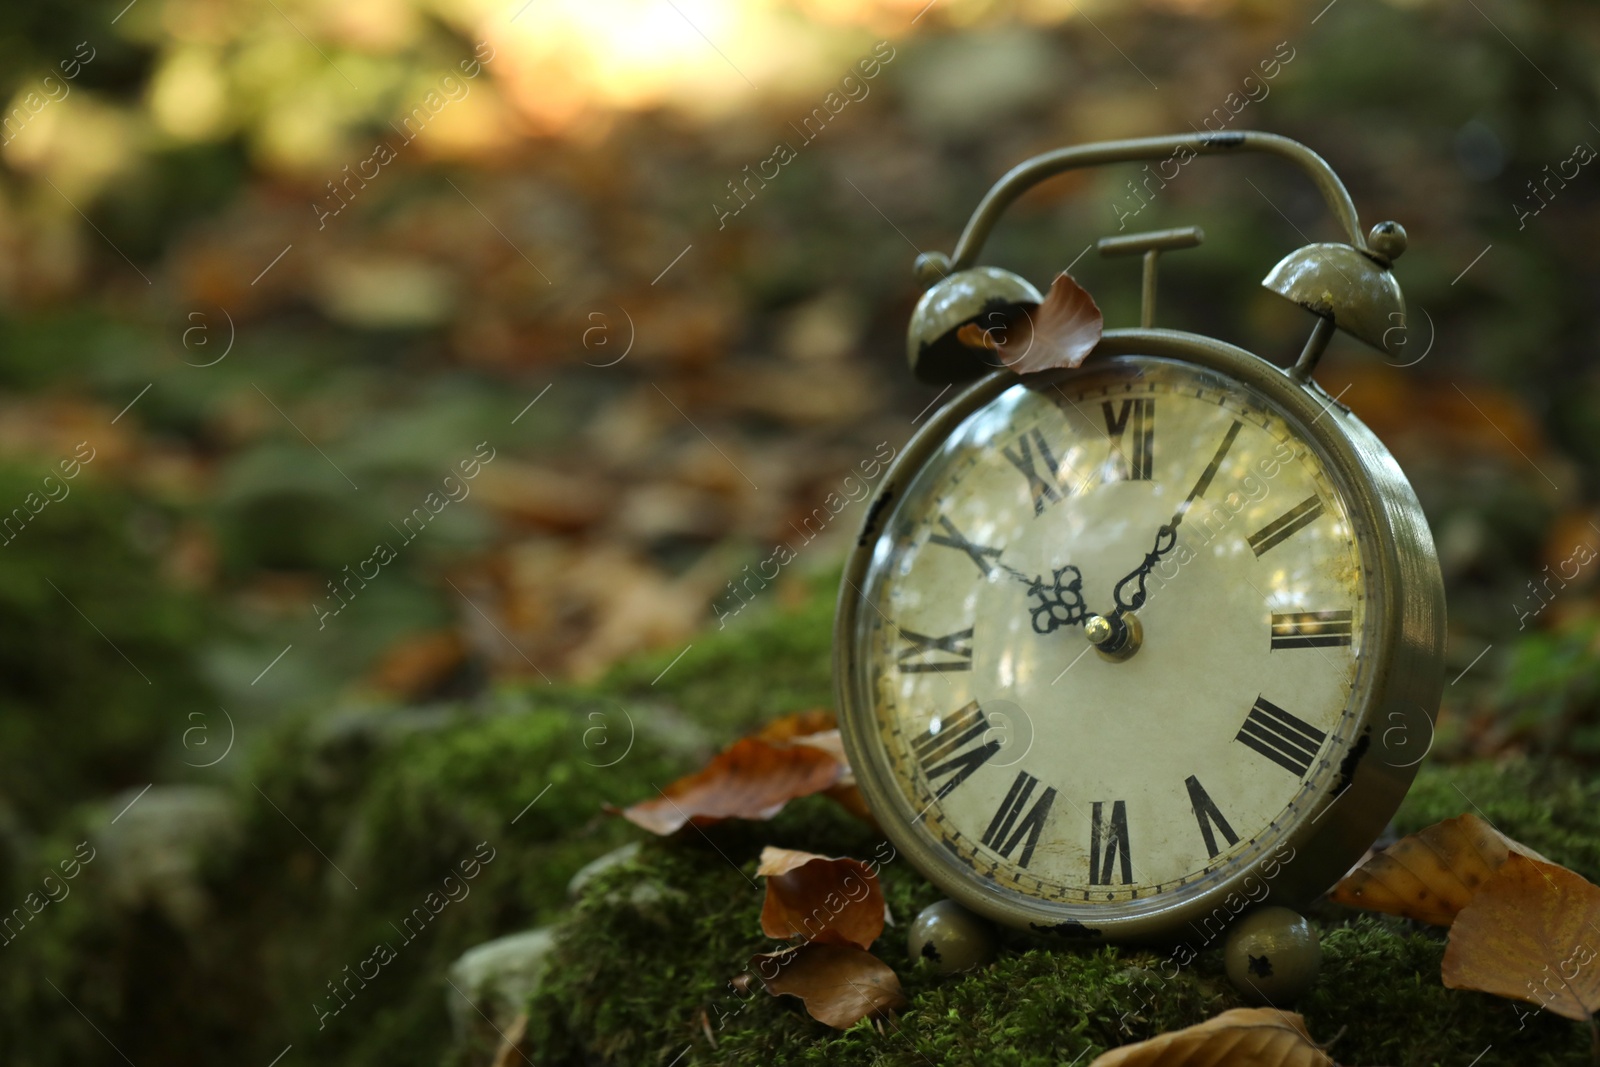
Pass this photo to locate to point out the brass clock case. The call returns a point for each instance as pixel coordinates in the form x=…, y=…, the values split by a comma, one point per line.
x=1395, y=699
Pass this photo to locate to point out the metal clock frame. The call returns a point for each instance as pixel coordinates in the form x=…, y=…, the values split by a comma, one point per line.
x=1402, y=667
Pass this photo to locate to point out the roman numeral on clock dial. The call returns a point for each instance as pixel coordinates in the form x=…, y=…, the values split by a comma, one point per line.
x=1046, y=486
x=1285, y=526
x=1209, y=816
x=1290, y=742
x=954, y=538
x=1204, y=481
x=926, y=652
x=1010, y=826
x=956, y=749
x=1108, y=844
x=1132, y=429
x=1310, y=629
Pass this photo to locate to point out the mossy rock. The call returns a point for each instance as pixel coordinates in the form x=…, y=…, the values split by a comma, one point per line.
x=649, y=984
x=350, y=825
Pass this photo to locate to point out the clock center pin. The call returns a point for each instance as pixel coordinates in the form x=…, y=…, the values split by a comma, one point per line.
x=1115, y=637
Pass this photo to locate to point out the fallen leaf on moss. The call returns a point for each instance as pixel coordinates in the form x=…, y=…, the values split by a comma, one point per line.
x=753, y=778
x=850, y=799
x=1430, y=875
x=845, y=794
x=1530, y=933
x=800, y=726
x=1060, y=333
x=820, y=898
x=840, y=984
x=750, y=779
x=416, y=665
x=1243, y=1037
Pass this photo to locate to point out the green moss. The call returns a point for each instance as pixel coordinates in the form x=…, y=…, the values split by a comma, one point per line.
x=643, y=974
x=651, y=947
x=1380, y=993
x=1550, y=806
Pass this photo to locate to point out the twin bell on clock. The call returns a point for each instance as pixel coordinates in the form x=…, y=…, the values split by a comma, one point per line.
x=1141, y=641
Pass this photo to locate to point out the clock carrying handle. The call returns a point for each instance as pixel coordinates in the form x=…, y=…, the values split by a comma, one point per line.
x=1029, y=173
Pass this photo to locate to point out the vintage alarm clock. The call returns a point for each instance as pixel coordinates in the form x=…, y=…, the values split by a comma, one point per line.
x=1129, y=648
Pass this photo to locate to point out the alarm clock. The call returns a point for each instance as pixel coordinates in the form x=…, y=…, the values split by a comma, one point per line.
x=1126, y=648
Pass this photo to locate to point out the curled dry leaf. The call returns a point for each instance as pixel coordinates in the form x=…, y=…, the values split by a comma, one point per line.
x=822, y=899
x=1243, y=1037
x=750, y=779
x=840, y=984
x=1432, y=874
x=1530, y=933
x=1061, y=332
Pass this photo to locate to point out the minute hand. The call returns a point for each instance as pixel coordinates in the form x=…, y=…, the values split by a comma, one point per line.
x=1167, y=535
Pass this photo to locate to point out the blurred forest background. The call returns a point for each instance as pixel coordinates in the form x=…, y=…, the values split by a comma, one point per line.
x=540, y=265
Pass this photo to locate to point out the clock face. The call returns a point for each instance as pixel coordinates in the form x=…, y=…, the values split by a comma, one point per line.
x=1183, y=508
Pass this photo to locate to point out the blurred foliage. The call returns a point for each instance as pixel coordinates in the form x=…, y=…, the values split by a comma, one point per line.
x=87, y=709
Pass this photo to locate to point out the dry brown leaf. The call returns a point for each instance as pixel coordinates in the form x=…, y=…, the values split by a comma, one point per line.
x=1243, y=1037
x=849, y=797
x=820, y=898
x=1530, y=933
x=416, y=665
x=750, y=779
x=1060, y=333
x=830, y=742
x=514, y=1043
x=845, y=794
x=800, y=726
x=840, y=984
x=1432, y=874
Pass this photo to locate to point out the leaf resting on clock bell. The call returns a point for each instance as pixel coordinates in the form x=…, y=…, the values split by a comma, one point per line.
x=1532, y=932
x=820, y=898
x=1432, y=874
x=753, y=778
x=1243, y=1037
x=840, y=984
x=1061, y=332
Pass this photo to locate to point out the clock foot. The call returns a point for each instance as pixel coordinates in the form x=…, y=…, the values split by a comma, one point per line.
x=1272, y=956
x=951, y=937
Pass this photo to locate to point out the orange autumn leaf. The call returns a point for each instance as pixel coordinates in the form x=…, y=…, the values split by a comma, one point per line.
x=1432, y=874
x=753, y=778
x=840, y=984
x=819, y=898
x=845, y=794
x=750, y=779
x=829, y=741
x=1243, y=1037
x=850, y=799
x=1530, y=933
x=1061, y=332
x=798, y=726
